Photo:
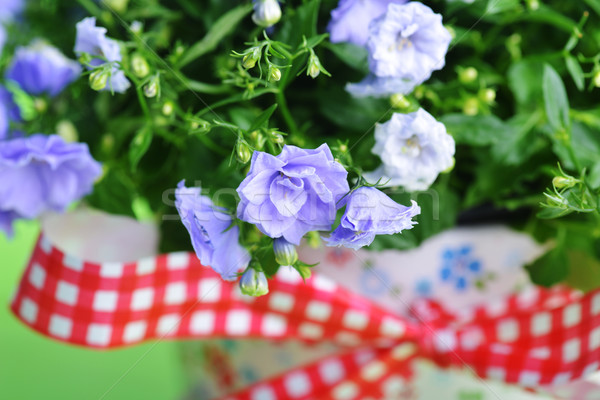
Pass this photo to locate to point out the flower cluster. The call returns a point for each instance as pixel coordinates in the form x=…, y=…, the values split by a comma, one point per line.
x=285, y=197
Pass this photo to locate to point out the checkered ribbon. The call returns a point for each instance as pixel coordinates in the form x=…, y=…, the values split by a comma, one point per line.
x=533, y=338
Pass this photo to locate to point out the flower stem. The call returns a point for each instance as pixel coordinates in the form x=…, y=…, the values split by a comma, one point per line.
x=285, y=112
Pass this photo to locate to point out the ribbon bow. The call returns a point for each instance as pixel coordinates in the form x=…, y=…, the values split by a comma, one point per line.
x=539, y=337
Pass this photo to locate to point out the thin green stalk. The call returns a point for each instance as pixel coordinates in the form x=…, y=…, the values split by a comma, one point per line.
x=285, y=112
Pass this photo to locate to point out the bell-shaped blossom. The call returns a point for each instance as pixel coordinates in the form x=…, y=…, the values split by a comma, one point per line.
x=351, y=18
x=405, y=45
x=409, y=42
x=92, y=40
x=43, y=173
x=42, y=68
x=370, y=212
x=10, y=9
x=414, y=149
x=266, y=13
x=215, y=241
x=293, y=193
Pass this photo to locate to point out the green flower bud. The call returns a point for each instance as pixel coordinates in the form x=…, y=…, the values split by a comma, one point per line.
x=152, y=88
x=254, y=283
x=487, y=95
x=285, y=252
x=471, y=106
x=67, y=131
x=304, y=271
x=99, y=78
x=467, y=75
x=119, y=6
x=139, y=65
x=250, y=59
x=243, y=152
x=167, y=108
x=313, y=66
x=277, y=137
x=597, y=79
x=274, y=73
x=399, y=101
x=561, y=182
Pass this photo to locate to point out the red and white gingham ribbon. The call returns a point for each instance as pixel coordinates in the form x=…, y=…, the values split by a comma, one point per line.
x=534, y=338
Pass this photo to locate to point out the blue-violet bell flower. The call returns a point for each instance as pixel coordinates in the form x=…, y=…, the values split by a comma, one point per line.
x=351, y=18
x=215, y=241
x=370, y=212
x=414, y=149
x=41, y=68
x=10, y=9
x=92, y=40
x=293, y=193
x=43, y=173
x=6, y=222
x=266, y=13
x=405, y=46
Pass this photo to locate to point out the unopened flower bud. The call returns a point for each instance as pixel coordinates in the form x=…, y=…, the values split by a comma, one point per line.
x=119, y=6
x=285, y=252
x=467, y=75
x=471, y=106
x=399, y=101
x=151, y=88
x=250, y=59
x=277, y=137
x=99, y=78
x=304, y=271
x=533, y=4
x=266, y=13
x=167, y=108
x=243, y=152
x=139, y=65
x=137, y=27
x=488, y=95
x=597, y=79
x=313, y=66
x=274, y=74
x=254, y=283
x=66, y=130
x=561, y=182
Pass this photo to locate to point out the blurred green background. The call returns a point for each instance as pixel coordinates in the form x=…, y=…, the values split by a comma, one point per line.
x=34, y=367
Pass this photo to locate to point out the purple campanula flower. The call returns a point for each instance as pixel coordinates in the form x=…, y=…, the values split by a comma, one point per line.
x=41, y=68
x=414, y=149
x=408, y=42
x=41, y=173
x=350, y=20
x=7, y=102
x=10, y=9
x=92, y=40
x=370, y=212
x=213, y=238
x=293, y=193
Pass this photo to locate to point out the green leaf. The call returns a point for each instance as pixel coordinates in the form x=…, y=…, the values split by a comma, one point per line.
x=496, y=7
x=551, y=268
x=555, y=99
x=352, y=55
x=221, y=28
x=576, y=72
x=586, y=146
x=262, y=118
x=476, y=130
x=594, y=5
x=584, y=271
x=113, y=194
x=316, y=40
x=139, y=146
x=525, y=83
